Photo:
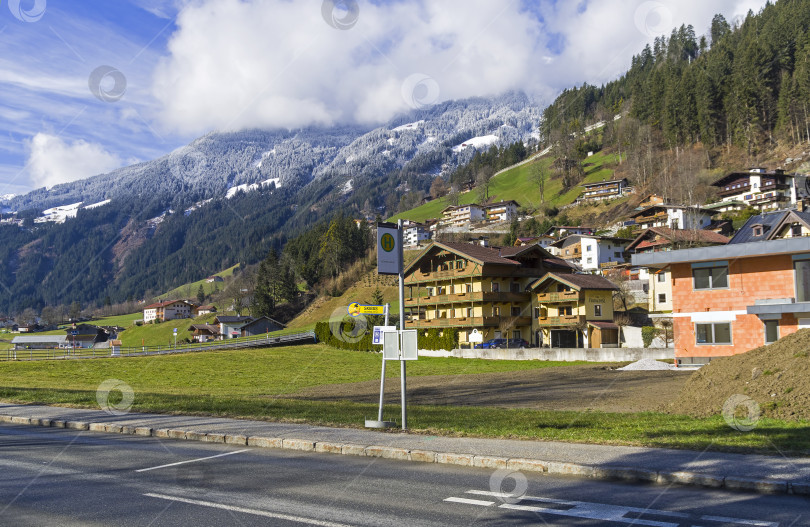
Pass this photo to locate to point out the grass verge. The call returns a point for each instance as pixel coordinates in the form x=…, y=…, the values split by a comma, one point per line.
x=641, y=429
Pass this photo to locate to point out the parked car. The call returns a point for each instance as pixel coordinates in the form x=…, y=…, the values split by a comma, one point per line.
x=502, y=343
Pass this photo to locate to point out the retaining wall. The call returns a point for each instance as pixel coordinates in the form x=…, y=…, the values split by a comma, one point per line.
x=557, y=354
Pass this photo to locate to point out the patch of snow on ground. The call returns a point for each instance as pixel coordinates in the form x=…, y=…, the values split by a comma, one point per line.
x=264, y=156
x=391, y=140
x=248, y=187
x=347, y=187
x=349, y=159
x=477, y=142
x=99, y=204
x=648, y=365
x=409, y=126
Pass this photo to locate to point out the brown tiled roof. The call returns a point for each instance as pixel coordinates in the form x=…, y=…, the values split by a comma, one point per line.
x=482, y=254
x=579, y=281
x=162, y=304
x=682, y=235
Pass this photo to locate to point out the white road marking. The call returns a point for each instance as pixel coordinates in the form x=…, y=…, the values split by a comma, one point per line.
x=471, y=502
x=758, y=523
x=594, y=512
x=192, y=460
x=598, y=511
x=255, y=512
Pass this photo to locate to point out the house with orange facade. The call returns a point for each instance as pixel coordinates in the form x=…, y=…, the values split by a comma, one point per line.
x=729, y=299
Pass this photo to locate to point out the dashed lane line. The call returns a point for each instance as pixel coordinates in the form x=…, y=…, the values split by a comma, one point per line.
x=192, y=460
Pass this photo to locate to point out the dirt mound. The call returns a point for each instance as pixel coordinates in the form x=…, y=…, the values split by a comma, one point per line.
x=777, y=377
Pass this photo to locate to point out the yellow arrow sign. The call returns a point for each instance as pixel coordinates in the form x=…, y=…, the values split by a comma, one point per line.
x=355, y=309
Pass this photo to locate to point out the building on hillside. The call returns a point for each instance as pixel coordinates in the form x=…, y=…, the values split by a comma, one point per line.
x=414, y=234
x=728, y=299
x=664, y=239
x=167, y=310
x=466, y=287
x=650, y=201
x=615, y=188
x=543, y=241
x=204, y=310
x=592, y=253
x=261, y=326
x=762, y=189
x=458, y=216
x=85, y=336
x=773, y=226
x=205, y=332
x=574, y=311
x=214, y=278
x=561, y=231
x=673, y=216
x=230, y=327
x=501, y=211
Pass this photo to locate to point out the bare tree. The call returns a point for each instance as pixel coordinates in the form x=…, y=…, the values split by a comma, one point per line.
x=539, y=175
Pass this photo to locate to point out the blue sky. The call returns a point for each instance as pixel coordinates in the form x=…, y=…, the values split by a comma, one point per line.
x=168, y=71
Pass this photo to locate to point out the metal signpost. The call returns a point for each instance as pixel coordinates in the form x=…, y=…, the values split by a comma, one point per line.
x=397, y=345
x=175, y=337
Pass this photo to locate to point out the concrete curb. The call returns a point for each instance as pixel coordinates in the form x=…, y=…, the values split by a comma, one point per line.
x=600, y=472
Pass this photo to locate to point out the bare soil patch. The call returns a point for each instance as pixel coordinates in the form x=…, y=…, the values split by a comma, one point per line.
x=600, y=388
x=777, y=377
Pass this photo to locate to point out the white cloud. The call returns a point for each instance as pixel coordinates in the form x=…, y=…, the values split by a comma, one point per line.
x=273, y=63
x=52, y=161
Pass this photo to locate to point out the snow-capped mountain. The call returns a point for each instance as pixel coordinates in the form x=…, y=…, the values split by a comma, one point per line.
x=220, y=164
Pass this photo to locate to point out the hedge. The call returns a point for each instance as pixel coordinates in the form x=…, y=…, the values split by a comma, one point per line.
x=427, y=339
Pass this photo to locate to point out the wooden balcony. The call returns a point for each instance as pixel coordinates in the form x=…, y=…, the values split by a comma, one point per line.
x=478, y=296
x=565, y=296
x=565, y=320
x=469, y=322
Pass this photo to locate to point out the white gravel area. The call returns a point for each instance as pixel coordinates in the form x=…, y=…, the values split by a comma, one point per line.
x=648, y=365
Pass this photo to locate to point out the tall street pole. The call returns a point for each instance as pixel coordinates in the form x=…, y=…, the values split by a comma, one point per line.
x=402, y=323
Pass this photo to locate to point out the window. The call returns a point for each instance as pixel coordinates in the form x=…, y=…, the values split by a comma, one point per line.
x=565, y=311
x=469, y=288
x=495, y=287
x=796, y=230
x=496, y=311
x=537, y=312
x=589, y=248
x=718, y=333
x=771, y=331
x=710, y=277
x=802, y=272
x=514, y=287
x=516, y=334
x=662, y=277
x=597, y=310
x=515, y=311
x=757, y=230
x=590, y=260
x=617, y=254
x=469, y=311
x=662, y=298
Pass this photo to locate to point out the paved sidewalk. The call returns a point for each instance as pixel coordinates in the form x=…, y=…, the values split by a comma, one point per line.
x=758, y=473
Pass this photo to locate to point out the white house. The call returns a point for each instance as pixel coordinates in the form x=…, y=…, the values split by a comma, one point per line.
x=674, y=217
x=462, y=215
x=600, y=250
x=415, y=233
x=762, y=189
x=502, y=211
x=168, y=310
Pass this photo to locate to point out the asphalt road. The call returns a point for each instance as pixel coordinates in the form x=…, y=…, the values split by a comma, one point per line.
x=54, y=476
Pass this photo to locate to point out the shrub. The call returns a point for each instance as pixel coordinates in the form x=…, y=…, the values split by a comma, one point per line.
x=648, y=333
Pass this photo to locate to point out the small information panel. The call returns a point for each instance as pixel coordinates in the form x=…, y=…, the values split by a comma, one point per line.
x=377, y=336
x=475, y=337
x=409, y=347
x=390, y=345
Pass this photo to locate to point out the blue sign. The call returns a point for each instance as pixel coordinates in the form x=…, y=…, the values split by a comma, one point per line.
x=74, y=333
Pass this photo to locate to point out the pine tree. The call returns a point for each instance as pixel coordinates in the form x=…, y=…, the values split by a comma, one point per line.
x=201, y=295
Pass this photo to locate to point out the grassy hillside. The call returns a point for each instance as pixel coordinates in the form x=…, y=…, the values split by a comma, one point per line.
x=516, y=184
x=189, y=291
x=161, y=334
